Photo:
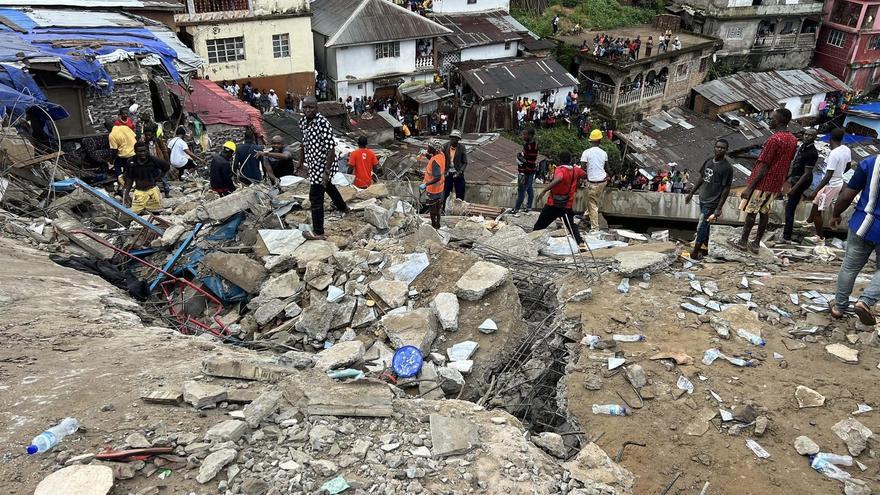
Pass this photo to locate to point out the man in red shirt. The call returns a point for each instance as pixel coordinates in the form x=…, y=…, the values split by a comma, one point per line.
x=765, y=182
x=561, y=200
x=363, y=161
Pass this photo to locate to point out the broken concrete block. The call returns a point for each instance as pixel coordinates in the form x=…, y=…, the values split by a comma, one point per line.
x=593, y=467
x=480, y=279
x=854, y=433
x=201, y=394
x=807, y=397
x=316, y=319
x=378, y=357
x=452, y=436
x=262, y=369
x=417, y=328
x=137, y=441
x=844, y=353
x=313, y=251
x=636, y=375
x=377, y=216
x=212, y=464
x=343, y=312
x=391, y=292
x=805, y=446
x=319, y=275
x=239, y=269
x=281, y=287
x=65, y=223
x=340, y=355
x=227, y=431
x=450, y=380
x=261, y=407
x=552, y=443
x=364, y=316
x=268, y=311
x=427, y=235
x=170, y=236
x=358, y=398
x=79, y=479
x=514, y=241
x=222, y=208
x=488, y=326
x=429, y=384
x=446, y=308
x=464, y=367
x=278, y=242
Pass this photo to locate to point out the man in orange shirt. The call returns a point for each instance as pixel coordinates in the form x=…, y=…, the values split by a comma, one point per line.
x=363, y=161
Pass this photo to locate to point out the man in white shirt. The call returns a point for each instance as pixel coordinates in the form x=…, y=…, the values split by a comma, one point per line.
x=595, y=161
x=831, y=184
x=273, y=100
x=180, y=156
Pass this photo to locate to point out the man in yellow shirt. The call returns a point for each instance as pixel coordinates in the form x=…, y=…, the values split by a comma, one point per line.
x=122, y=140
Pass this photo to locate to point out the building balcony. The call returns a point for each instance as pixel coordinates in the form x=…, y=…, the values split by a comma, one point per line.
x=811, y=8
x=425, y=63
x=605, y=95
x=785, y=42
x=204, y=6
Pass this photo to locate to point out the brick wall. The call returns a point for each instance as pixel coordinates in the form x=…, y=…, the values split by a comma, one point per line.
x=106, y=105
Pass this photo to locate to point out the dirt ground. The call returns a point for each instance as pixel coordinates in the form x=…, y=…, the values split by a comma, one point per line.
x=717, y=457
x=63, y=353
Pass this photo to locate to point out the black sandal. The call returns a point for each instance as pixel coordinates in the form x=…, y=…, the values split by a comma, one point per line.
x=864, y=313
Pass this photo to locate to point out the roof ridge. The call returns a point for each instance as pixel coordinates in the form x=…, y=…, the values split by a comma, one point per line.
x=424, y=21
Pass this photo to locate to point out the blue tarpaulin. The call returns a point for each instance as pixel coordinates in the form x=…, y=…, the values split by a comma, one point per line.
x=19, y=91
x=873, y=107
x=848, y=139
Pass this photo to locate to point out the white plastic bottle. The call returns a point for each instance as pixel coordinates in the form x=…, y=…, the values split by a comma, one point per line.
x=628, y=338
x=610, y=409
x=829, y=469
x=836, y=459
x=53, y=436
x=754, y=339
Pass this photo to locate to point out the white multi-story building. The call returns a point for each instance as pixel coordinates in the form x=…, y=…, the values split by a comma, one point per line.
x=368, y=48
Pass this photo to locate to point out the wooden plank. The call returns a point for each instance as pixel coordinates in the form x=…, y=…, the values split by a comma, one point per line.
x=38, y=159
x=165, y=397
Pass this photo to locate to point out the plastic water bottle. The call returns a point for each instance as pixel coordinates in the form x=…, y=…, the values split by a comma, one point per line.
x=829, y=470
x=590, y=340
x=623, y=288
x=710, y=356
x=628, y=338
x=53, y=436
x=754, y=339
x=610, y=409
x=836, y=459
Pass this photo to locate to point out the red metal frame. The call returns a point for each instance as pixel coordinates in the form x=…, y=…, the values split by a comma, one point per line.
x=168, y=291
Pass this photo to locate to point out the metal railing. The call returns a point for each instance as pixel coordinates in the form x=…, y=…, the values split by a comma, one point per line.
x=785, y=41
x=425, y=62
x=203, y=6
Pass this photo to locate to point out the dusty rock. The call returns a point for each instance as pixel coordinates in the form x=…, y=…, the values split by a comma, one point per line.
x=805, y=446
x=594, y=468
x=488, y=326
x=364, y=316
x=314, y=251
x=278, y=242
x=429, y=384
x=377, y=216
x=318, y=275
x=462, y=351
x=77, y=480
x=515, y=241
x=807, y=397
x=212, y=464
x=593, y=380
x=446, y=308
x=552, y=443
x=239, y=269
x=137, y=441
x=450, y=380
x=321, y=437
x=844, y=353
x=222, y=208
x=761, y=424
x=316, y=319
x=426, y=234
x=854, y=433
x=264, y=405
x=464, y=366
x=254, y=486
x=391, y=292
x=227, y=431
x=201, y=394
x=637, y=263
x=636, y=375
x=408, y=267
x=744, y=413
x=417, y=328
x=268, y=311
x=482, y=278
x=340, y=355
x=282, y=286
x=452, y=436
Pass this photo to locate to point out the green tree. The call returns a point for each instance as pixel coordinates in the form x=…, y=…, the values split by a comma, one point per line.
x=554, y=140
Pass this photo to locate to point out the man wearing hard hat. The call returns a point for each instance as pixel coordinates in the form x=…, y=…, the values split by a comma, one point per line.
x=433, y=183
x=221, y=170
x=595, y=162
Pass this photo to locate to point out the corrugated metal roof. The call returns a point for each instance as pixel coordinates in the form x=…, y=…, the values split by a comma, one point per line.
x=479, y=29
x=98, y=4
x=515, y=77
x=74, y=18
x=764, y=90
x=353, y=22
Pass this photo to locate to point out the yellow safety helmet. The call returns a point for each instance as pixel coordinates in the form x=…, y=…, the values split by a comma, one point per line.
x=230, y=146
x=595, y=135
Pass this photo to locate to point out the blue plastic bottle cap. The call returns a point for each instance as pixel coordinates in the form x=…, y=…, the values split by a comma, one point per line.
x=32, y=449
x=407, y=362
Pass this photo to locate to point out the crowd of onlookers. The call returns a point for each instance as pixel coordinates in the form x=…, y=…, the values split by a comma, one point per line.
x=617, y=49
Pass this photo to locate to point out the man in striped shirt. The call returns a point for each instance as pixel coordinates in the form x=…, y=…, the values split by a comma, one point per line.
x=863, y=239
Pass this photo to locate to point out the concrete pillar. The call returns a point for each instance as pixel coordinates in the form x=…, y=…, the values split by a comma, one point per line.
x=616, y=98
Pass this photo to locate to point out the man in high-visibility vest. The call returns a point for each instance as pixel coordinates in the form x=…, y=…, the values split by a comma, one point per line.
x=433, y=184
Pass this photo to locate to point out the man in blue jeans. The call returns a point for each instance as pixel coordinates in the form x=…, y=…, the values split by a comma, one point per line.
x=527, y=167
x=716, y=176
x=863, y=239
